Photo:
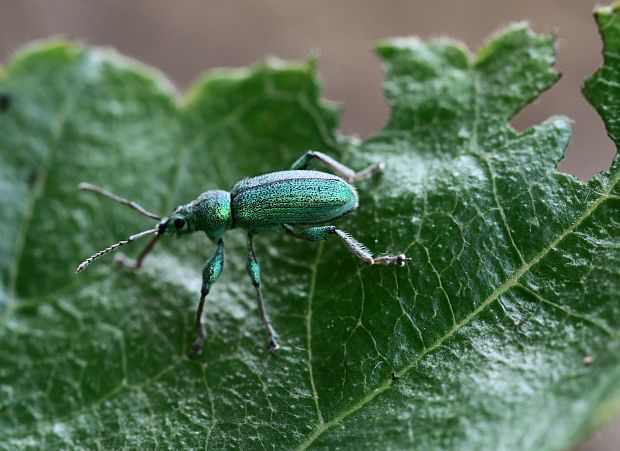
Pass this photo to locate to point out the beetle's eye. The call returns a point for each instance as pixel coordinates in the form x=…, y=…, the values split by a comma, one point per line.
x=179, y=223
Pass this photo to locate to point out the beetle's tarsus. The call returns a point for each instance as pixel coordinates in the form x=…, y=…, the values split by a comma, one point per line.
x=398, y=260
x=368, y=172
x=343, y=171
x=402, y=259
x=273, y=345
x=196, y=348
x=362, y=252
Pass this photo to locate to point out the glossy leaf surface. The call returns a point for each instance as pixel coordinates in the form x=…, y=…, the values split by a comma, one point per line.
x=479, y=343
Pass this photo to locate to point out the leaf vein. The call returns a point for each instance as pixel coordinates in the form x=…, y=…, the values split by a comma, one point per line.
x=503, y=288
x=39, y=187
x=315, y=393
x=568, y=312
x=39, y=425
x=499, y=206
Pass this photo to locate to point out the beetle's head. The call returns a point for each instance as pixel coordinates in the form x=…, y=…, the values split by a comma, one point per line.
x=178, y=222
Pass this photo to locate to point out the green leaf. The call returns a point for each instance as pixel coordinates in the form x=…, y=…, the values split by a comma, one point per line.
x=502, y=333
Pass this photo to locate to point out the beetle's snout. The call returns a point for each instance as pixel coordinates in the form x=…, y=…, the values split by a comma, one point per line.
x=166, y=226
x=161, y=227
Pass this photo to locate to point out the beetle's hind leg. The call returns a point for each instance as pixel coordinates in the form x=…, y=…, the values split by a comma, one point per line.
x=344, y=171
x=323, y=232
x=210, y=273
x=254, y=272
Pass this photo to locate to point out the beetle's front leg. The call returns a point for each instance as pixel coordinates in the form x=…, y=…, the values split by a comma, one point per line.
x=344, y=171
x=210, y=273
x=323, y=232
x=136, y=264
x=254, y=272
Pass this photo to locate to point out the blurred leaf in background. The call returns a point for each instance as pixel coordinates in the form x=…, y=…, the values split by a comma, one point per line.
x=503, y=332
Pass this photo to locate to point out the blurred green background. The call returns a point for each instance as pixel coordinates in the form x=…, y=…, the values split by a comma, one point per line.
x=187, y=37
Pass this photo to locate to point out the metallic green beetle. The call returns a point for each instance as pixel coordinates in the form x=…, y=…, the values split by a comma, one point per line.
x=275, y=201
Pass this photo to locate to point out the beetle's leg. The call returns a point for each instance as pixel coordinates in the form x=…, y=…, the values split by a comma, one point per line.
x=136, y=264
x=323, y=232
x=210, y=273
x=254, y=272
x=347, y=173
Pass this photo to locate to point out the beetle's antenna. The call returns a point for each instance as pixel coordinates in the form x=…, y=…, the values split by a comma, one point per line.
x=121, y=200
x=109, y=249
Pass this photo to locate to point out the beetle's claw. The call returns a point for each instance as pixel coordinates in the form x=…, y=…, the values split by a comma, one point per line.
x=401, y=260
x=196, y=348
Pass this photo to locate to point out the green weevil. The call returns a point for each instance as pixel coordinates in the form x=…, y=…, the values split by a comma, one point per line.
x=269, y=202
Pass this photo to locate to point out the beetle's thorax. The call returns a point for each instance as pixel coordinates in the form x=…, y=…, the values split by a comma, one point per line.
x=210, y=213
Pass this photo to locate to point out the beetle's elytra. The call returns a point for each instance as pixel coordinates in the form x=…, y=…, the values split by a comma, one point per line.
x=270, y=202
